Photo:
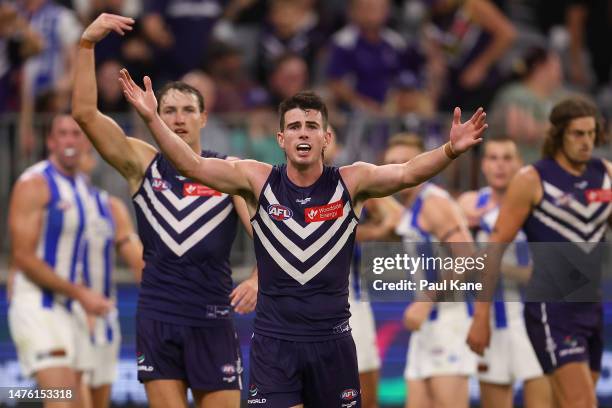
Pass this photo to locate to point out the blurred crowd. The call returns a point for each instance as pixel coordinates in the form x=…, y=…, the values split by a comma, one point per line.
x=383, y=66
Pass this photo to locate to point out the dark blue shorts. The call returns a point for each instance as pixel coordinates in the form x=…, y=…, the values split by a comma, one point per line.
x=317, y=374
x=562, y=333
x=207, y=358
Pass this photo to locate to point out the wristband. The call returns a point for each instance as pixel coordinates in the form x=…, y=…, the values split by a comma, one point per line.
x=86, y=44
x=448, y=150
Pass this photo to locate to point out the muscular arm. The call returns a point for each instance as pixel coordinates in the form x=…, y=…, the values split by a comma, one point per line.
x=367, y=180
x=28, y=200
x=236, y=177
x=128, y=155
x=128, y=244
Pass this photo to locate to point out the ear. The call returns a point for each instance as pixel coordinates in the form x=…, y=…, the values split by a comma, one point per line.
x=280, y=138
x=327, y=138
x=203, y=119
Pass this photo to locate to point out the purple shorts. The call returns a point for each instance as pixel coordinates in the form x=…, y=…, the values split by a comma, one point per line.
x=317, y=374
x=562, y=333
x=207, y=358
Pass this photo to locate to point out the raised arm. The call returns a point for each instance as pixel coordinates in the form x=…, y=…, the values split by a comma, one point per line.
x=367, y=180
x=241, y=177
x=127, y=242
x=26, y=213
x=128, y=155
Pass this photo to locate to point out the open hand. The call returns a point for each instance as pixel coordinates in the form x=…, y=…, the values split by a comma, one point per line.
x=463, y=136
x=143, y=101
x=104, y=24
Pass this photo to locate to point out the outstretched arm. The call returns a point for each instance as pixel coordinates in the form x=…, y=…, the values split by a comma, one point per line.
x=228, y=176
x=367, y=180
x=128, y=155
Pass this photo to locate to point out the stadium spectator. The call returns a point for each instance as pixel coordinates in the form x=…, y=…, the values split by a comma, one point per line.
x=292, y=26
x=52, y=69
x=369, y=53
x=472, y=37
x=520, y=110
x=288, y=77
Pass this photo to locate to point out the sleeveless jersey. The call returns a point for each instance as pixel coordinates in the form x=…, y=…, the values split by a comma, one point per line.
x=566, y=215
x=417, y=241
x=304, y=244
x=187, y=231
x=517, y=254
x=61, y=241
x=99, y=259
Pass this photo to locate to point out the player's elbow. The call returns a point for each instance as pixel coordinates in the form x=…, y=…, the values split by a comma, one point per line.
x=82, y=114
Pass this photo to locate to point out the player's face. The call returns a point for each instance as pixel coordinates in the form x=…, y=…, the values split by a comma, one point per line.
x=400, y=154
x=500, y=162
x=579, y=139
x=66, y=142
x=180, y=111
x=304, y=137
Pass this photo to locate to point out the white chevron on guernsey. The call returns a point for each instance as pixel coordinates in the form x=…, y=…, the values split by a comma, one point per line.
x=197, y=236
x=306, y=231
x=295, y=250
x=567, y=233
x=314, y=270
x=585, y=228
x=181, y=225
x=585, y=210
x=180, y=203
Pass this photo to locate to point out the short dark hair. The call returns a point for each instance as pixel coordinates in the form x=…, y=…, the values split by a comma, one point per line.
x=181, y=87
x=306, y=100
x=560, y=117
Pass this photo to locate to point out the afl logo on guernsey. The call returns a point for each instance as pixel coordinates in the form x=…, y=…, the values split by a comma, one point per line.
x=159, y=184
x=279, y=212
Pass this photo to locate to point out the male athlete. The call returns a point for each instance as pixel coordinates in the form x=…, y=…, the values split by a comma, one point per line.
x=438, y=363
x=48, y=221
x=109, y=230
x=302, y=353
x=499, y=368
x=185, y=334
x=563, y=198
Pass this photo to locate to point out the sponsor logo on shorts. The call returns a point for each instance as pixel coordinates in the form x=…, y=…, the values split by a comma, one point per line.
x=571, y=347
x=349, y=396
x=324, y=212
x=140, y=358
x=253, y=391
x=279, y=212
x=159, y=184
x=228, y=369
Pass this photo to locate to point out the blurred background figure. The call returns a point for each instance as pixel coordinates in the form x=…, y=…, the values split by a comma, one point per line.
x=520, y=110
x=471, y=36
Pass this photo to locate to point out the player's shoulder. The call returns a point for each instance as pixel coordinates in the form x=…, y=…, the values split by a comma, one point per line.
x=31, y=187
x=527, y=174
x=468, y=199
